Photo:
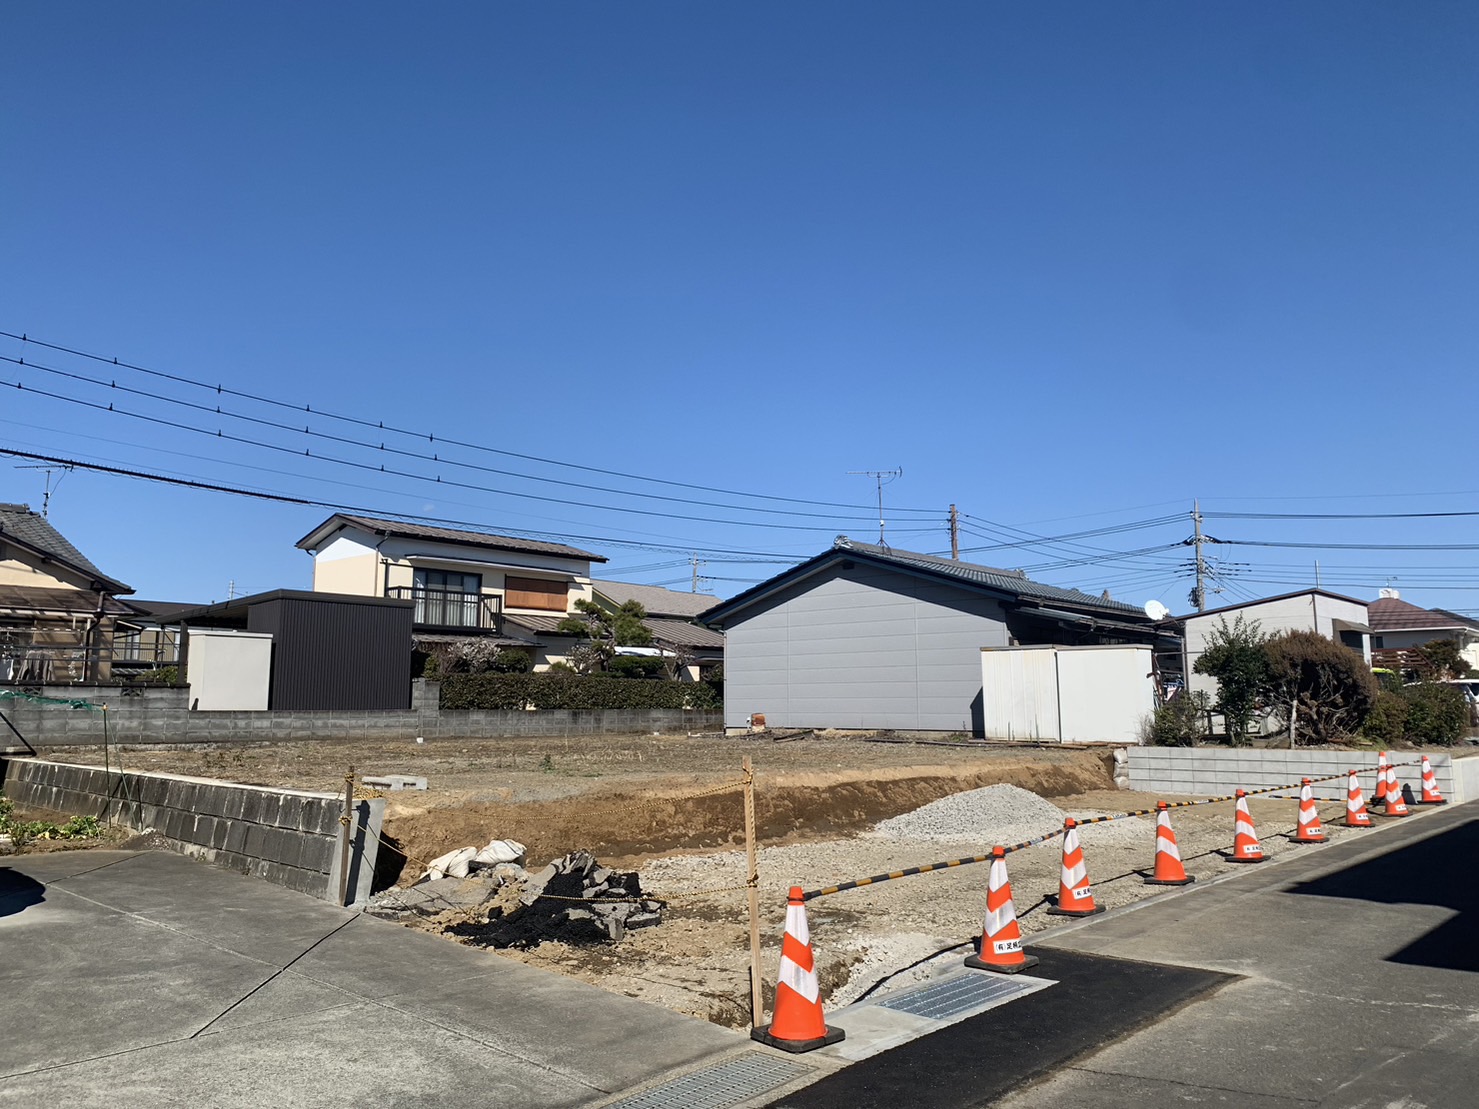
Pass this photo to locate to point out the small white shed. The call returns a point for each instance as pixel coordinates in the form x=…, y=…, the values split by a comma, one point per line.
x=228, y=670
x=1091, y=694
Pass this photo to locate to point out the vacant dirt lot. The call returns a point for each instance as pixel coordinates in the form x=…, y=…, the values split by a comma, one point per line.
x=630, y=801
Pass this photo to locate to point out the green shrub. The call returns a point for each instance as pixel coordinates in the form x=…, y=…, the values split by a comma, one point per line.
x=511, y=660
x=1180, y=722
x=1387, y=721
x=1436, y=713
x=557, y=690
x=1234, y=656
x=161, y=675
x=635, y=666
x=1326, y=685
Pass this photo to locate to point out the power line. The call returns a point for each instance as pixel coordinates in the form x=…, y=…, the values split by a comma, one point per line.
x=380, y=425
x=282, y=498
x=436, y=457
x=382, y=469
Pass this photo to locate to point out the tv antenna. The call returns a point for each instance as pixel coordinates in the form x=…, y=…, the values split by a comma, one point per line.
x=882, y=477
x=50, y=468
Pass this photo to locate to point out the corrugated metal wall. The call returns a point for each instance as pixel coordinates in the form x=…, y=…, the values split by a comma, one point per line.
x=862, y=648
x=337, y=654
x=1019, y=693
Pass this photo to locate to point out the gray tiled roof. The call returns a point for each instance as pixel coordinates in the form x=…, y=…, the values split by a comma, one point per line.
x=655, y=599
x=1008, y=581
x=401, y=529
x=33, y=530
x=684, y=634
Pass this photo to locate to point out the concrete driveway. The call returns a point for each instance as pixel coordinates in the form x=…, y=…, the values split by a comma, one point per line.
x=147, y=979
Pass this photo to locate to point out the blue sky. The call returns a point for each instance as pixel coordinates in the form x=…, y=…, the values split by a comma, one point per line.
x=1070, y=266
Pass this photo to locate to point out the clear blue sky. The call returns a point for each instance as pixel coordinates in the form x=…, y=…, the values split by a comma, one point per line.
x=1070, y=266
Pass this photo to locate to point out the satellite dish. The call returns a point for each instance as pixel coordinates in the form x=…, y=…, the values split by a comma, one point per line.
x=1156, y=611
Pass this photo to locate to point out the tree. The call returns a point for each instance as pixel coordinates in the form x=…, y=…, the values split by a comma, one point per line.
x=1321, y=687
x=1234, y=656
x=607, y=629
x=1444, y=661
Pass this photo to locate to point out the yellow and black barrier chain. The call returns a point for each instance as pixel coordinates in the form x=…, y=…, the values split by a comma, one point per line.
x=948, y=864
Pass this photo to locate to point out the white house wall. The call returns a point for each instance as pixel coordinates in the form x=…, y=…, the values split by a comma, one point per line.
x=861, y=648
x=1306, y=612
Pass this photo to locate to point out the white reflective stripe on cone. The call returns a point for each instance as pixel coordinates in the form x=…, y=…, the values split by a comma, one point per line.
x=804, y=982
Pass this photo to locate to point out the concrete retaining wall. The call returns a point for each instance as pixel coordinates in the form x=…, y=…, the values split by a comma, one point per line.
x=163, y=716
x=1199, y=770
x=289, y=837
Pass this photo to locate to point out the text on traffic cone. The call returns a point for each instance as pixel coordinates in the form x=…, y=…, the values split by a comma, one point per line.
x=1309, y=829
x=1001, y=937
x=1246, y=848
x=1075, y=894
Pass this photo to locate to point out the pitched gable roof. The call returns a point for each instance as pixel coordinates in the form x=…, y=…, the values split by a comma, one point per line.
x=1266, y=600
x=1013, y=583
x=655, y=599
x=19, y=525
x=1391, y=614
x=401, y=530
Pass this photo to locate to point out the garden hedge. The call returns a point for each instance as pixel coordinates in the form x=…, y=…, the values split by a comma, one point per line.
x=571, y=691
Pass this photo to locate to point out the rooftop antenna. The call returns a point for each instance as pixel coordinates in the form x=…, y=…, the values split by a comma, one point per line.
x=878, y=476
x=50, y=468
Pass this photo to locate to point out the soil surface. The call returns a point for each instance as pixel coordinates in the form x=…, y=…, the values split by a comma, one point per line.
x=631, y=801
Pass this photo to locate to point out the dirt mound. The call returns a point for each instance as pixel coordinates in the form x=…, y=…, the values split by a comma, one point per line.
x=628, y=827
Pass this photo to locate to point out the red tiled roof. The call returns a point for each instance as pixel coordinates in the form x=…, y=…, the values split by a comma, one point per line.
x=1390, y=614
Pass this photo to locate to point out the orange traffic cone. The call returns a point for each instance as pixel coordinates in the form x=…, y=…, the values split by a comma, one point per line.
x=1430, y=794
x=1356, y=815
x=1309, y=830
x=1075, y=895
x=1379, y=794
x=1001, y=938
x=1169, y=870
x=1392, y=803
x=797, y=1025
x=1246, y=848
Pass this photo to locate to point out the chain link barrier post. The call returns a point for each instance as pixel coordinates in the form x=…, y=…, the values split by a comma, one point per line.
x=752, y=891
x=346, y=821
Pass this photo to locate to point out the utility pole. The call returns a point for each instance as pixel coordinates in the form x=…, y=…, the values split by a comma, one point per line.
x=231, y=590
x=954, y=534
x=1199, y=594
x=878, y=476
x=696, y=564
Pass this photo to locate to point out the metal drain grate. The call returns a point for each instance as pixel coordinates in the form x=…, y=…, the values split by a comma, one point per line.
x=958, y=995
x=719, y=1086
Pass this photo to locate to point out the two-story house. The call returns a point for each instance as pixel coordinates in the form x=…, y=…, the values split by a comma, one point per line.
x=463, y=583
x=57, y=610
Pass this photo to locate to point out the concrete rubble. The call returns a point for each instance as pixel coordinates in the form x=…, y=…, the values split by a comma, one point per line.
x=574, y=900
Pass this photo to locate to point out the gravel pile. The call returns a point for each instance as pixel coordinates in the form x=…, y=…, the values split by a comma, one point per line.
x=993, y=814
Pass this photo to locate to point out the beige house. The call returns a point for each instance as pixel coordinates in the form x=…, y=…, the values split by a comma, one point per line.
x=464, y=583
x=57, y=610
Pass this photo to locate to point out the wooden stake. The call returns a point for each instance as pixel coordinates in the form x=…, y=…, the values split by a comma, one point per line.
x=752, y=880
x=347, y=820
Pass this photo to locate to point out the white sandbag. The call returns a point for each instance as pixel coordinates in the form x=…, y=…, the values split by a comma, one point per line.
x=454, y=864
x=500, y=851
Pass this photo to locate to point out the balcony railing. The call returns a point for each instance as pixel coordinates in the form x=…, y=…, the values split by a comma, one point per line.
x=445, y=608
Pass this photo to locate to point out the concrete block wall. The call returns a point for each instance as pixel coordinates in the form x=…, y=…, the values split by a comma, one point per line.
x=141, y=716
x=1214, y=771
x=289, y=837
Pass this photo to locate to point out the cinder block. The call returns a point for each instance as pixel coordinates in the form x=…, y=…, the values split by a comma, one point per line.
x=251, y=805
x=232, y=800
x=317, y=854
x=204, y=829
x=210, y=800
x=256, y=841
x=289, y=849
x=329, y=813
x=236, y=836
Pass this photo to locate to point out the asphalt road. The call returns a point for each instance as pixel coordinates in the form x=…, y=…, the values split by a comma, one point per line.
x=1341, y=978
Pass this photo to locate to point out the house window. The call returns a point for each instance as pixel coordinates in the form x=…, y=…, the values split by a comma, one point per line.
x=549, y=596
x=1376, y=642
x=448, y=599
